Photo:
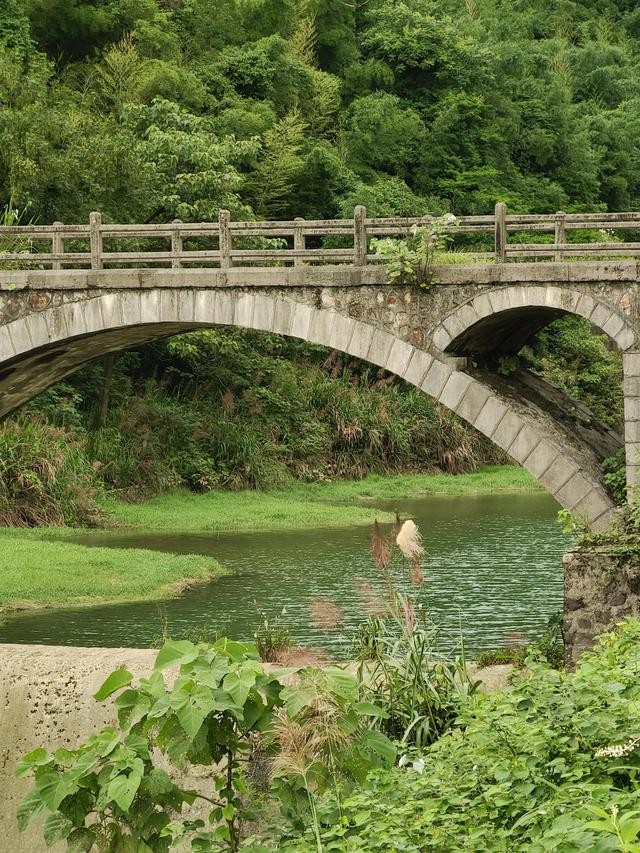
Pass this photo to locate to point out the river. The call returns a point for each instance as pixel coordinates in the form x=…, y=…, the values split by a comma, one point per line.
x=492, y=566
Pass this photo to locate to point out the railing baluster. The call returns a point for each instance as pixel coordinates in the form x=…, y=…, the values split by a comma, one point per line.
x=57, y=245
x=561, y=233
x=95, y=236
x=176, y=246
x=299, y=241
x=360, y=228
x=224, y=217
x=360, y=236
x=501, y=232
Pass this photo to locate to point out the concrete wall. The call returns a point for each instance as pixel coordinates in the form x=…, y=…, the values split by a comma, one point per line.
x=46, y=700
x=600, y=590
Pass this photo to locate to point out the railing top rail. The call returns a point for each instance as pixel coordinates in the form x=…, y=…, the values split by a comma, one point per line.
x=291, y=224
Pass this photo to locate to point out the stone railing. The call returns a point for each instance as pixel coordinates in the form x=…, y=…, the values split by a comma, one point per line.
x=224, y=244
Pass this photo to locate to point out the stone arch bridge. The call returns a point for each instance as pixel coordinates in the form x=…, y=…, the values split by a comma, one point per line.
x=445, y=339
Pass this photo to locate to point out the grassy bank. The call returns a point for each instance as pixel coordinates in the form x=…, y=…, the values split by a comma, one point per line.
x=308, y=504
x=41, y=569
x=40, y=573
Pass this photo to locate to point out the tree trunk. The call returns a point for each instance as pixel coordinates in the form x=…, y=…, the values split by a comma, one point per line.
x=105, y=390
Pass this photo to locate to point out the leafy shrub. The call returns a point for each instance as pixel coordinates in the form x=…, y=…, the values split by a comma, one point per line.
x=108, y=793
x=552, y=764
x=615, y=476
x=45, y=476
x=409, y=261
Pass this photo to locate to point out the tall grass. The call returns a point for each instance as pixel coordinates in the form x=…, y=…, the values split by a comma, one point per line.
x=304, y=423
x=417, y=689
x=45, y=477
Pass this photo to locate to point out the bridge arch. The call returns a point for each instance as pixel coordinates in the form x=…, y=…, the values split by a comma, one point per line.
x=44, y=347
x=502, y=319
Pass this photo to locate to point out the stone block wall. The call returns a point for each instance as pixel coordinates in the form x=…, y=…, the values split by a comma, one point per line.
x=600, y=590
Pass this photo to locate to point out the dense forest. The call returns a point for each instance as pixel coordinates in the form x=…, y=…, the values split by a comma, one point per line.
x=150, y=110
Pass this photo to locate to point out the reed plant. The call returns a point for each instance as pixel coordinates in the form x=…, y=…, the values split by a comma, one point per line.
x=418, y=687
x=399, y=666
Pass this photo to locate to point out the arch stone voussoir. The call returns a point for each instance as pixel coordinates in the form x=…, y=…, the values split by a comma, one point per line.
x=521, y=296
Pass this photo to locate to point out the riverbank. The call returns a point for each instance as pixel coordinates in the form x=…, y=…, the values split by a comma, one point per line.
x=37, y=573
x=42, y=568
x=340, y=503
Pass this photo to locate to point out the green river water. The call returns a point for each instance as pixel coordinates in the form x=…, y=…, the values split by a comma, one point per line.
x=493, y=566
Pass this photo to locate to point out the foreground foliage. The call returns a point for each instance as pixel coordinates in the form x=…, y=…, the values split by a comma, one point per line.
x=550, y=765
x=110, y=793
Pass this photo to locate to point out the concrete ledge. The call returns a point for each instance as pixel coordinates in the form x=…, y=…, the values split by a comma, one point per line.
x=314, y=276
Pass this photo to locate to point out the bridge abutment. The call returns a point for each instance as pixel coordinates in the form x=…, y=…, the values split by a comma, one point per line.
x=600, y=591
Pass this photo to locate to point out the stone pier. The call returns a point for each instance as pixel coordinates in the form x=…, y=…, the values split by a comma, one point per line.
x=600, y=590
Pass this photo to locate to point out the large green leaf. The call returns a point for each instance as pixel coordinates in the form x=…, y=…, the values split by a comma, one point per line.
x=132, y=706
x=84, y=764
x=34, y=759
x=237, y=652
x=298, y=697
x=54, y=787
x=56, y=828
x=81, y=840
x=176, y=653
x=192, y=708
x=368, y=709
x=154, y=684
x=30, y=806
x=239, y=684
x=116, y=681
x=210, y=674
x=105, y=741
x=123, y=789
x=376, y=748
x=341, y=683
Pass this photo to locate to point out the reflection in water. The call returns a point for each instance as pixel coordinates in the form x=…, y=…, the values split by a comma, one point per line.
x=493, y=565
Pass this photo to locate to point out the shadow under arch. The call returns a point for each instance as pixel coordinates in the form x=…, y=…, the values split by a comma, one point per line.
x=503, y=319
x=43, y=348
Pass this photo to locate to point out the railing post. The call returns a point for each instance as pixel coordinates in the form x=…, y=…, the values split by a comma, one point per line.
x=95, y=235
x=176, y=246
x=501, y=232
x=561, y=233
x=57, y=245
x=224, y=217
x=299, y=241
x=360, y=236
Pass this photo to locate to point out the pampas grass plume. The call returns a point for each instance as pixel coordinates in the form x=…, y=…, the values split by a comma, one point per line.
x=409, y=540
